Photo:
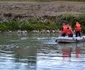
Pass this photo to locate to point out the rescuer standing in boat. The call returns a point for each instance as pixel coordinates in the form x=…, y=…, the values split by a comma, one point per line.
x=64, y=30
x=69, y=30
x=77, y=29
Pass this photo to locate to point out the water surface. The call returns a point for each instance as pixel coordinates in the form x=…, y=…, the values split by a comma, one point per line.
x=36, y=51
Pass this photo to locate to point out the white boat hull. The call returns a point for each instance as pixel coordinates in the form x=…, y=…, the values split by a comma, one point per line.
x=70, y=39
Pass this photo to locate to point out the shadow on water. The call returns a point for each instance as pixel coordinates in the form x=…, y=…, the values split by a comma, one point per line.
x=35, y=51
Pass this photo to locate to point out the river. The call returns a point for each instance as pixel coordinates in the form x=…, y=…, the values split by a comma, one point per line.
x=36, y=51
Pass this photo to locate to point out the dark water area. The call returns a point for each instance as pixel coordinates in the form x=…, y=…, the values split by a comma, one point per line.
x=36, y=51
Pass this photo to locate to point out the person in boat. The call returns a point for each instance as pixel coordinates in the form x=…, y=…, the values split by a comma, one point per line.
x=78, y=29
x=64, y=30
x=69, y=30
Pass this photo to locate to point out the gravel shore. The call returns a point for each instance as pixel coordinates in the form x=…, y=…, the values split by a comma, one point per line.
x=25, y=10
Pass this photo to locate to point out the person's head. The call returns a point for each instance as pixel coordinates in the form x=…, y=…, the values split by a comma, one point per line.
x=77, y=22
x=63, y=23
x=68, y=24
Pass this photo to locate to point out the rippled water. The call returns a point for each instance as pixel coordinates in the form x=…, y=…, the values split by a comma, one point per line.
x=36, y=51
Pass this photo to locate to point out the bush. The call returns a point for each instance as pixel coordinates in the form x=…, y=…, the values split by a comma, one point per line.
x=12, y=25
x=66, y=18
x=3, y=27
x=39, y=24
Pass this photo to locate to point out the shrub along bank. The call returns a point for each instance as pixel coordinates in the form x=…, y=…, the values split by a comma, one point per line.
x=71, y=19
x=54, y=23
x=27, y=25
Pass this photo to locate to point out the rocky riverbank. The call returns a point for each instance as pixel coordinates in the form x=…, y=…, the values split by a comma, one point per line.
x=22, y=11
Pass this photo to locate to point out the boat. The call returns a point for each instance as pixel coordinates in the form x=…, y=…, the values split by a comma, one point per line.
x=67, y=39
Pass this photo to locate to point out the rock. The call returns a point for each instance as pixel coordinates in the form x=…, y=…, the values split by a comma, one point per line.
x=15, y=11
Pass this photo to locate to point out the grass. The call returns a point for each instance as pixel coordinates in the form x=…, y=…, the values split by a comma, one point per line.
x=37, y=24
x=27, y=25
x=49, y=24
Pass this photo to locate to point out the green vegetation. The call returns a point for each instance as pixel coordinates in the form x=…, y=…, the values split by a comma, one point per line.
x=44, y=22
x=54, y=23
x=71, y=19
x=27, y=25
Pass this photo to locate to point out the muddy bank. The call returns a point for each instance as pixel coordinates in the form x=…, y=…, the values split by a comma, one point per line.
x=21, y=11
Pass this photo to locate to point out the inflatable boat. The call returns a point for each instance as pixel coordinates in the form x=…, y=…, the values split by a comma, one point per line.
x=70, y=39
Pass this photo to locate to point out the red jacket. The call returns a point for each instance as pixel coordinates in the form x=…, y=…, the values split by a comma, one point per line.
x=69, y=30
x=64, y=29
x=77, y=27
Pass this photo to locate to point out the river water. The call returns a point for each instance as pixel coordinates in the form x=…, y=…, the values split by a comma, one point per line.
x=36, y=51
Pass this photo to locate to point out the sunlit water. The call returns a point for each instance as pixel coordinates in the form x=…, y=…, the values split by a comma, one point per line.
x=36, y=51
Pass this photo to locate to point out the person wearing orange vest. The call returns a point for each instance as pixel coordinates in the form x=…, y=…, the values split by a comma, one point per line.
x=64, y=29
x=78, y=29
x=69, y=31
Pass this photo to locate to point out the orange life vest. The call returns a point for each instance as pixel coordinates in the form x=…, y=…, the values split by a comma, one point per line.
x=64, y=29
x=77, y=27
x=69, y=30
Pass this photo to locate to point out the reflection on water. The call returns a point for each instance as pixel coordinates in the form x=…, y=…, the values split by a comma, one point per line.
x=64, y=56
x=66, y=52
x=35, y=51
